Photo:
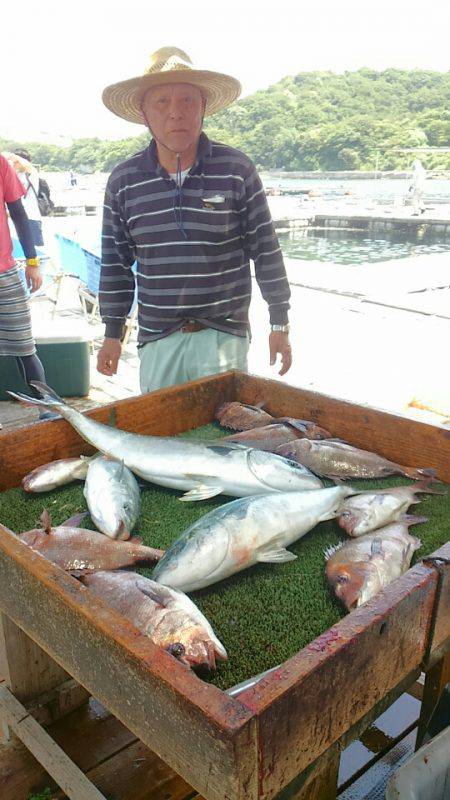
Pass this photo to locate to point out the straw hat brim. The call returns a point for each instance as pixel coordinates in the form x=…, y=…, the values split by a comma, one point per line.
x=125, y=98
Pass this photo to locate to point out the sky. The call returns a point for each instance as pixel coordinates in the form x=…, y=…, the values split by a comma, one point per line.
x=56, y=57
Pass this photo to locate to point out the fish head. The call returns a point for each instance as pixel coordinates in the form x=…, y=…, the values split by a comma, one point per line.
x=353, y=582
x=197, y=555
x=280, y=471
x=194, y=650
x=114, y=523
x=348, y=520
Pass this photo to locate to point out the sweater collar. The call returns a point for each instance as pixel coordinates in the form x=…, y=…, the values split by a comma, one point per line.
x=149, y=157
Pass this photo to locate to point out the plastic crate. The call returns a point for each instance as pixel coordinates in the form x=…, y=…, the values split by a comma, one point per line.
x=72, y=258
x=426, y=776
x=93, y=265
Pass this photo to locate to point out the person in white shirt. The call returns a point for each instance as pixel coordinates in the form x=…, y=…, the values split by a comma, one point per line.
x=417, y=187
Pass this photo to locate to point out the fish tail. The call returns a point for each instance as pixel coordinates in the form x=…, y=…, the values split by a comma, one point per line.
x=49, y=398
x=425, y=486
x=48, y=394
x=418, y=474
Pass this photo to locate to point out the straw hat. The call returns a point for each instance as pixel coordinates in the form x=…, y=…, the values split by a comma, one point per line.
x=170, y=65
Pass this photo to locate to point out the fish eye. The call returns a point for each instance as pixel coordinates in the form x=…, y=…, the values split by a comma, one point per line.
x=342, y=578
x=177, y=649
x=346, y=514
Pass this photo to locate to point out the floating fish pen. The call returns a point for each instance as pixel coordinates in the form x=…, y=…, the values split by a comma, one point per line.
x=335, y=672
x=414, y=227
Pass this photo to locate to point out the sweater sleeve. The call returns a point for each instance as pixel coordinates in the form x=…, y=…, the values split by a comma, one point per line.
x=117, y=281
x=261, y=245
x=23, y=228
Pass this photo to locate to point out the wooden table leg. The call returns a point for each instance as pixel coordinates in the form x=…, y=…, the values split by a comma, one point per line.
x=435, y=681
x=319, y=782
x=34, y=678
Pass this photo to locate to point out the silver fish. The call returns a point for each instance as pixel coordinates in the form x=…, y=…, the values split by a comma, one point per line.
x=367, y=511
x=56, y=473
x=113, y=497
x=201, y=469
x=242, y=533
x=335, y=459
x=358, y=569
x=169, y=618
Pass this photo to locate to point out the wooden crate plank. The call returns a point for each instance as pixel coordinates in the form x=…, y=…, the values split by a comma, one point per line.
x=402, y=440
x=165, y=412
x=159, y=700
x=440, y=641
x=90, y=735
x=47, y=752
x=308, y=704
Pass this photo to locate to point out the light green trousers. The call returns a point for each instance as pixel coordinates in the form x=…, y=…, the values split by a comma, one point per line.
x=183, y=357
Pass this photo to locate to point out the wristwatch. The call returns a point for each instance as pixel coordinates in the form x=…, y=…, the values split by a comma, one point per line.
x=281, y=328
x=32, y=262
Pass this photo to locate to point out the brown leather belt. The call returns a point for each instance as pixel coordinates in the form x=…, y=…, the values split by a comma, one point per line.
x=192, y=327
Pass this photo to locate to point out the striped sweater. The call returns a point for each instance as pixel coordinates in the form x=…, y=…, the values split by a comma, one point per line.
x=191, y=245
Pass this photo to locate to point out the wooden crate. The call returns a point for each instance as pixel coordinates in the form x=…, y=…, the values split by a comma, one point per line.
x=281, y=738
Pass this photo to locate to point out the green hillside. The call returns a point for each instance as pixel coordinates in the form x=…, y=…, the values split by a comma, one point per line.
x=311, y=121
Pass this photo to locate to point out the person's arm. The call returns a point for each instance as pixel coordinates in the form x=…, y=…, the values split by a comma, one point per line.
x=117, y=282
x=21, y=222
x=262, y=246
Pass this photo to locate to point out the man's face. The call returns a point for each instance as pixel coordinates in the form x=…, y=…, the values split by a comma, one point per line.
x=174, y=113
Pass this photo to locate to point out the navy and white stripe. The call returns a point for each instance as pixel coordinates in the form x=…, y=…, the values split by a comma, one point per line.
x=199, y=271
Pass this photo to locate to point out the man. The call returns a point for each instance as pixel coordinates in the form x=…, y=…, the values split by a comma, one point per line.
x=15, y=320
x=191, y=213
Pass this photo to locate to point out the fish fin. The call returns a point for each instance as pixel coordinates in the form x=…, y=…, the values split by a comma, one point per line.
x=411, y=519
x=29, y=401
x=135, y=540
x=49, y=397
x=274, y=556
x=89, y=458
x=332, y=549
x=424, y=486
x=74, y=522
x=80, y=573
x=158, y=595
x=202, y=491
x=377, y=547
x=46, y=521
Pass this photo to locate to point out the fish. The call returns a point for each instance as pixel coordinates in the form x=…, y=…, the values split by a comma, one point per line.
x=367, y=511
x=336, y=459
x=113, y=497
x=78, y=550
x=242, y=533
x=200, y=469
x=359, y=568
x=168, y=617
x=270, y=437
x=56, y=473
x=242, y=417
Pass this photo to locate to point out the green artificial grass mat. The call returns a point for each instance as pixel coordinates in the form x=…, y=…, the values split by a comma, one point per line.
x=262, y=615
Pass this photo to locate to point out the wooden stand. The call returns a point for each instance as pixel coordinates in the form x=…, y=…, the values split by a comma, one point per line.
x=282, y=738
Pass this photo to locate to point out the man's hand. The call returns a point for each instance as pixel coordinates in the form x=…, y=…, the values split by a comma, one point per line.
x=108, y=356
x=33, y=278
x=279, y=343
